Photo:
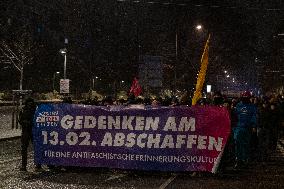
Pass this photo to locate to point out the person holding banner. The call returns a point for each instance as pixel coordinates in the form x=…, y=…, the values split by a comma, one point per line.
x=218, y=99
x=246, y=124
x=26, y=120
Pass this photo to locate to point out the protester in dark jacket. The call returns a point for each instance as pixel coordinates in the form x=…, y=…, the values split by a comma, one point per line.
x=281, y=113
x=274, y=123
x=26, y=120
x=263, y=131
x=218, y=99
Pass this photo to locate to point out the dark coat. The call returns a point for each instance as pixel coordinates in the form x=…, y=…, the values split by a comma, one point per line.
x=274, y=119
x=264, y=118
x=26, y=116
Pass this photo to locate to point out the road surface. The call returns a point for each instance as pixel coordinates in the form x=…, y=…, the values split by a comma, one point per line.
x=258, y=175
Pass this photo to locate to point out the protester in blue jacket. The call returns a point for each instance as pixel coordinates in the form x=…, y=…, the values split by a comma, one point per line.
x=246, y=114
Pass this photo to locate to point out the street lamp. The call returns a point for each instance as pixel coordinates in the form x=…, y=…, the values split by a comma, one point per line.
x=53, y=83
x=94, y=82
x=198, y=27
x=64, y=53
x=122, y=84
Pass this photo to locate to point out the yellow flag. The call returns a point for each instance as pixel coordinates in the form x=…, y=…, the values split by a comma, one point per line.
x=202, y=73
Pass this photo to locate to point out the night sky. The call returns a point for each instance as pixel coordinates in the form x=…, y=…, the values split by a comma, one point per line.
x=106, y=39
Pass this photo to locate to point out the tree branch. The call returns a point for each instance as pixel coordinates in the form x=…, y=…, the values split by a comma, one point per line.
x=11, y=60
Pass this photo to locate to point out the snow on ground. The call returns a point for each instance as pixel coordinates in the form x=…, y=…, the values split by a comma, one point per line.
x=6, y=130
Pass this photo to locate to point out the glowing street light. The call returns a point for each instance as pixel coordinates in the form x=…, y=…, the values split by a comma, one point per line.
x=198, y=27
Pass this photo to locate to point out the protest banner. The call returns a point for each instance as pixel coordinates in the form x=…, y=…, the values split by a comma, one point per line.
x=162, y=139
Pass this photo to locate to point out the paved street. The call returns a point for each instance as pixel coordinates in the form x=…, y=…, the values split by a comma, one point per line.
x=258, y=175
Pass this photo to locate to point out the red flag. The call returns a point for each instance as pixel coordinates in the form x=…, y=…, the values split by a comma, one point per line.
x=136, y=89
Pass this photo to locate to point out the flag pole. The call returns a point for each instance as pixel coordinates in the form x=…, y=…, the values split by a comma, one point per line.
x=202, y=73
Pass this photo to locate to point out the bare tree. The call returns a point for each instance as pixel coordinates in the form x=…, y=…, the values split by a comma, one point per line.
x=18, y=53
x=16, y=43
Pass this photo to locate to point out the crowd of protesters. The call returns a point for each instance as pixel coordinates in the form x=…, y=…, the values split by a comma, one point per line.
x=256, y=122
